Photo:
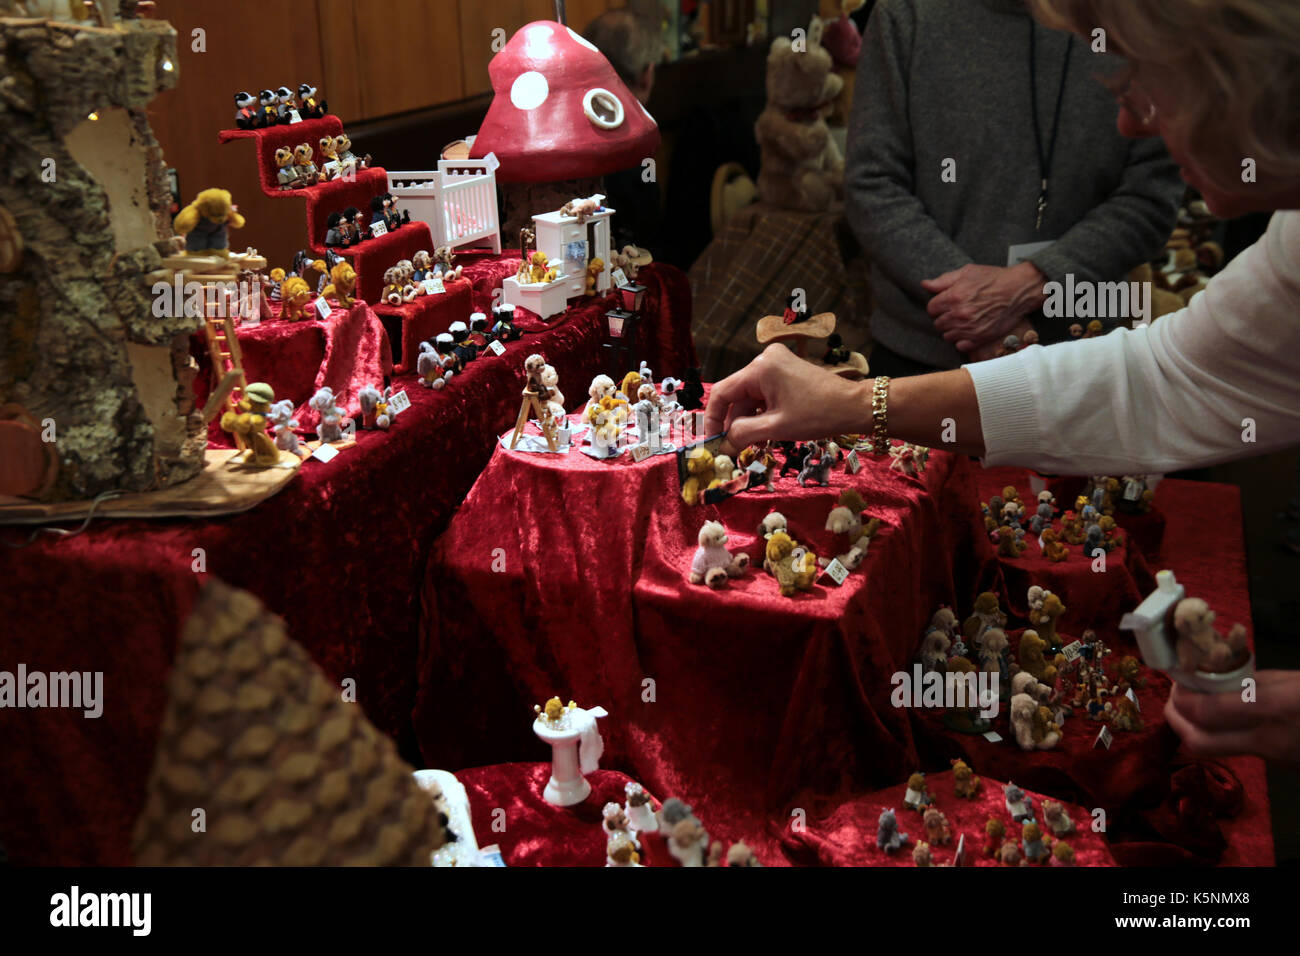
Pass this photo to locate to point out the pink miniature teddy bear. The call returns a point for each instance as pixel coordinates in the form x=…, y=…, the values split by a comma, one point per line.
x=713, y=563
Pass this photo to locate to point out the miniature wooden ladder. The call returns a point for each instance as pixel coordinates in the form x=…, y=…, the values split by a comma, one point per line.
x=223, y=348
x=543, y=414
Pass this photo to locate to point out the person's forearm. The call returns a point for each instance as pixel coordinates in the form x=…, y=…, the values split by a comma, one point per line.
x=938, y=410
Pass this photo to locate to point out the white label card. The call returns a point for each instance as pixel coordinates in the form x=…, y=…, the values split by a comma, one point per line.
x=757, y=467
x=836, y=571
x=325, y=453
x=496, y=347
x=398, y=403
x=1104, y=738
x=640, y=453
x=993, y=737
x=323, y=308
x=1019, y=253
x=1132, y=491
x=378, y=228
x=853, y=464
x=1072, y=651
x=1132, y=695
x=619, y=277
x=433, y=285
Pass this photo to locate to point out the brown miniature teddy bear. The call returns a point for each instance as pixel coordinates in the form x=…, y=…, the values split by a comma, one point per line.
x=1126, y=715
x=1028, y=726
x=1199, y=646
x=535, y=269
x=1053, y=550
x=1010, y=854
x=1129, y=670
x=987, y=613
x=1032, y=660
x=801, y=167
x=594, y=268
x=582, y=209
x=1009, y=544
x=1044, y=618
x=994, y=831
x=1062, y=855
x=937, y=832
x=1072, y=528
x=700, y=473
x=794, y=567
x=965, y=784
x=921, y=855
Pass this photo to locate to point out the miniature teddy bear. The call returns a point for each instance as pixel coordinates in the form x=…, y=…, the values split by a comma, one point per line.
x=1125, y=714
x=1009, y=543
x=688, y=842
x=1057, y=820
x=1111, y=536
x=964, y=782
x=1044, y=619
x=909, y=459
x=937, y=831
x=204, y=223
x=846, y=519
x=294, y=296
x=614, y=819
x=1010, y=854
x=536, y=269
x=392, y=293
x=992, y=511
x=1053, y=550
x=1042, y=519
x=1019, y=804
x=995, y=654
x=248, y=424
x=1031, y=842
x=759, y=480
x=1032, y=660
x=374, y=407
x=994, y=831
x=987, y=613
x=934, y=650
x=917, y=796
x=1062, y=854
x=323, y=402
x=793, y=566
x=286, y=175
x=620, y=850
x=444, y=258
x=772, y=522
x=801, y=167
x=343, y=283
x=887, y=836
x=921, y=855
x=1028, y=726
x=305, y=166
x=582, y=209
x=594, y=269
x=699, y=469
x=724, y=470
x=1026, y=683
x=713, y=563
x=1013, y=513
x=1129, y=671
x=639, y=810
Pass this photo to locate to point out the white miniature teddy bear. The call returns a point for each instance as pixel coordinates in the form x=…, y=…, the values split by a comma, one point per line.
x=1199, y=646
x=281, y=417
x=1023, y=711
x=713, y=563
x=724, y=469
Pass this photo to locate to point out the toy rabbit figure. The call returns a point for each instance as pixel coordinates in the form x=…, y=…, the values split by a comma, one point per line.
x=713, y=563
x=1019, y=804
x=331, y=415
x=286, y=439
x=640, y=813
x=887, y=836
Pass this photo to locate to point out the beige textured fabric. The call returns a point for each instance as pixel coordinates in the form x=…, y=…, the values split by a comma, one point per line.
x=285, y=772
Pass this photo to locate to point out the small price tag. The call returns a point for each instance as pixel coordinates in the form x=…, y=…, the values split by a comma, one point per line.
x=1132, y=695
x=993, y=737
x=640, y=453
x=1072, y=651
x=1104, y=739
x=1132, y=491
x=756, y=467
x=398, y=403
x=496, y=347
x=433, y=285
x=619, y=277
x=323, y=308
x=325, y=453
x=492, y=162
x=853, y=464
x=378, y=228
x=836, y=571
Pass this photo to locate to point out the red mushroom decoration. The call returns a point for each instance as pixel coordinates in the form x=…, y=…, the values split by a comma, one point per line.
x=560, y=112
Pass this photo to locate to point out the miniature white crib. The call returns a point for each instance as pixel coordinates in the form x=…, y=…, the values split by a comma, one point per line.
x=458, y=200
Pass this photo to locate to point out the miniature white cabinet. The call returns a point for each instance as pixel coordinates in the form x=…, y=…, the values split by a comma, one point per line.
x=568, y=245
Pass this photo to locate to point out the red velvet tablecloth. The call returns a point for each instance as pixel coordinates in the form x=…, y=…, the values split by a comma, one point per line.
x=750, y=705
x=339, y=553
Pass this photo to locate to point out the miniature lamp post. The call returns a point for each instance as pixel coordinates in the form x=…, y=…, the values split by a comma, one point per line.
x=633, y=295
x=621, y=328
x=566, y=729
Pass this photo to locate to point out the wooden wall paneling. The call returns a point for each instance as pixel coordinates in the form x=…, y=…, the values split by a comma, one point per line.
x=242, y=52
x=341, y=55
x=409, y=55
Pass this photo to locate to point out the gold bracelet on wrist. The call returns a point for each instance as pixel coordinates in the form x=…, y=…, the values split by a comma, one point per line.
x=880, y=415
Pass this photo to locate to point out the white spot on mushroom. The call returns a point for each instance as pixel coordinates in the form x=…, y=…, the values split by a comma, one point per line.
x=529, y=90
x=581, y=39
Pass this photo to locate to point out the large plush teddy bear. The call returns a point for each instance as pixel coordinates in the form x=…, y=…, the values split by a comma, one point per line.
x=801, y=167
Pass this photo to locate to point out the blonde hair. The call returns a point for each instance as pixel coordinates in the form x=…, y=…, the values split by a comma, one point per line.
x=1237, y=66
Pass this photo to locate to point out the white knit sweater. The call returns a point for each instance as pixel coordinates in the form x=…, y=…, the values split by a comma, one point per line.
x=1191, y=389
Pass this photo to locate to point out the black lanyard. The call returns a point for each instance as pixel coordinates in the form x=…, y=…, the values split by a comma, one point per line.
x=1045, y=159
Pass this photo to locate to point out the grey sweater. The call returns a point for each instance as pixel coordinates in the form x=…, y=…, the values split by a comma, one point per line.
x=943, y=79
